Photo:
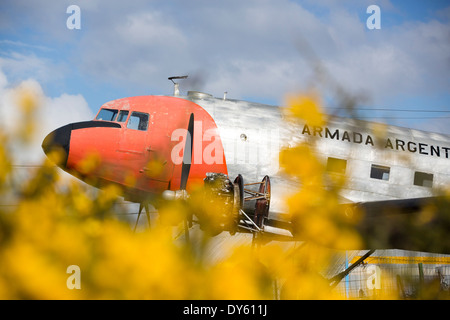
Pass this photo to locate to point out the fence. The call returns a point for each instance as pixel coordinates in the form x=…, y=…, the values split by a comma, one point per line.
x=394, y=274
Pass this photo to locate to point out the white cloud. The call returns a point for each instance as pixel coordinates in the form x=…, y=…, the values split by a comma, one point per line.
x=258, y=49
x=149, y=28
x=235, y=46
x=51, y=114
x=20, y=66
x=63, y=110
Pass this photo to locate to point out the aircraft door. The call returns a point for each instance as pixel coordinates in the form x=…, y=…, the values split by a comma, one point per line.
x=134, y=134
x=159, y=164
x=134, y=140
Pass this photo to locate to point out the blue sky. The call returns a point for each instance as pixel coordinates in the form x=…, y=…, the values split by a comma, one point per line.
x=258, y=50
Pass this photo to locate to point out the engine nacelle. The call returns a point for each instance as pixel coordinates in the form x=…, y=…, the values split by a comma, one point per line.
x=222, y=204
x=225, y=200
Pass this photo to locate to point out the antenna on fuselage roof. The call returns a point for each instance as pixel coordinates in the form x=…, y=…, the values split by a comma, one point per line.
x=176, y=86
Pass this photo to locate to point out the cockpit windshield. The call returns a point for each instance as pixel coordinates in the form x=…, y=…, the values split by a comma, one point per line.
x=107, y=115
x=111, y=114
x=137, y=120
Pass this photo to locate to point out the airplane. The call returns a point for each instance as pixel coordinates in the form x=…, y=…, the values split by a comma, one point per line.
x=162, y=146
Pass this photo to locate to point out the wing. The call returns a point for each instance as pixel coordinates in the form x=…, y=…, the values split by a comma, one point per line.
x=418, y=224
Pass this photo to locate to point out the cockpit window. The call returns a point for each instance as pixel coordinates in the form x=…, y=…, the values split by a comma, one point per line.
x=123, y=115
x=107, y=114
x=138, y=121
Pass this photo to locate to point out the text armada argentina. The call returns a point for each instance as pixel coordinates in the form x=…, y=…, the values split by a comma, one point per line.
x=366, y=139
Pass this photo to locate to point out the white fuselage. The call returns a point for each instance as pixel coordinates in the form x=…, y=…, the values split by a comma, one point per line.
x=381, y=162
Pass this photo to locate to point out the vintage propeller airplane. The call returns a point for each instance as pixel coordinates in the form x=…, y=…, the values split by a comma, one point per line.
x=168, y=144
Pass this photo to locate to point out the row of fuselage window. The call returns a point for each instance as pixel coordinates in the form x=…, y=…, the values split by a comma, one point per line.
x=423, y=179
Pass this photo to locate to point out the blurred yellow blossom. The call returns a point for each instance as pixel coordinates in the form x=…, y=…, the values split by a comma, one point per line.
x=315, y=211
x=306, y=107
x=28, y=100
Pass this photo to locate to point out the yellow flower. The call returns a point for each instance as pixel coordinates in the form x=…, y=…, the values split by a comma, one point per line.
x=307, y=108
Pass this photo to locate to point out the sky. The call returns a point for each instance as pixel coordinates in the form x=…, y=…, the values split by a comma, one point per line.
x=257, y=50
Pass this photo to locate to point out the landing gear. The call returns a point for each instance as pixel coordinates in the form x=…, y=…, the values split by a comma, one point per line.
x=147, y=212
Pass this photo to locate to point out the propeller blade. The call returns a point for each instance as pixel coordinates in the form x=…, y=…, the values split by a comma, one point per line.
x=187, y=156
